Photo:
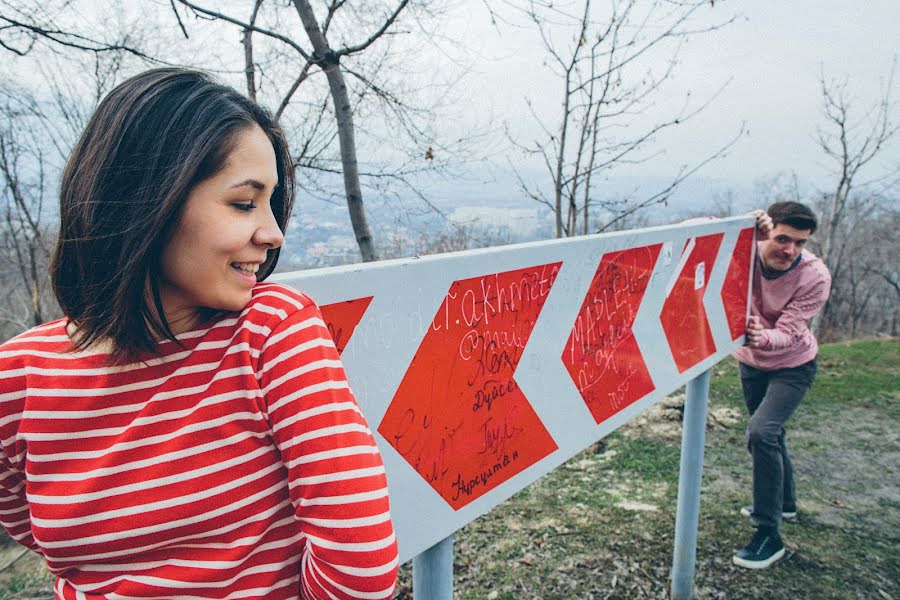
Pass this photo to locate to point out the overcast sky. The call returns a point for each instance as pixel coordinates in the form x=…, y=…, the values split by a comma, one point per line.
x=771, y=58
x=769, y=61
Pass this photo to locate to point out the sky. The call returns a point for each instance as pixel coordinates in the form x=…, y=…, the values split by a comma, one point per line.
x=765, y=68
x=769, y=60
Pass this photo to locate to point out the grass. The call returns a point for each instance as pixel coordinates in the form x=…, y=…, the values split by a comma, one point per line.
x=602, y=525
x=26, y=577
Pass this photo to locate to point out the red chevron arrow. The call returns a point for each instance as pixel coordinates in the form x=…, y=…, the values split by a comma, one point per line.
x=341, y=318
x=737, y=284
x=683, y=316
x=458, y=417
x=602, y=355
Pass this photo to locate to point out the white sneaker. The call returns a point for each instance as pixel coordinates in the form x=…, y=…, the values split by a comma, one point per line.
x=787, y=516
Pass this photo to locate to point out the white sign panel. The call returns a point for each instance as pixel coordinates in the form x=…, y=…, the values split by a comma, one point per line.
x=481, y=371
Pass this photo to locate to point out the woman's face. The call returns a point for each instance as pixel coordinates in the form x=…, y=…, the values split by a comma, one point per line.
x=221, y=240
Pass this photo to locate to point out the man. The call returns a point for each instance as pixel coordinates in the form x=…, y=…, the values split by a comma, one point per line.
x=777, y=366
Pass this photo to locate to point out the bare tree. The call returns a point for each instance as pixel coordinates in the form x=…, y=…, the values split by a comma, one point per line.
x=879, y=260
x=862, y=187
x=603, y=90
x=367, y=30
x=865, y=296
x=28, y=26
x=37, y=132
x=852, y=146
x=349, y=66
x=25, y=233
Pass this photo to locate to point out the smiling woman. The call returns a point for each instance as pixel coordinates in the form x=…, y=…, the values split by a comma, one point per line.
x=224, y=233
x=186, y=430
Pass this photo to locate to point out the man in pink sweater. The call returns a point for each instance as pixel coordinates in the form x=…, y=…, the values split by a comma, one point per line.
x=777, y=365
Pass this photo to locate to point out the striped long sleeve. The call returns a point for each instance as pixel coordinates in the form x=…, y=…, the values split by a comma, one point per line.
x=336, y=478
x=792, y=325
x=785, y=305
x=14, y=512
x=232, y=464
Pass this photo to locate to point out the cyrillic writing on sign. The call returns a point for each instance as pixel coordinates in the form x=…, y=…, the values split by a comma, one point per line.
x=602, y=355
x=458, y=417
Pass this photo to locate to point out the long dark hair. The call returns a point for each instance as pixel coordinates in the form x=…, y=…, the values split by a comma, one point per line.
x=150, y=141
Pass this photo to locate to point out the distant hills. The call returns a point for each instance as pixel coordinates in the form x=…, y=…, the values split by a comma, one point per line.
x=320, y=232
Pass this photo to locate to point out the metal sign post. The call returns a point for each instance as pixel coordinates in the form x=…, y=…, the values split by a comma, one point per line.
x=481, y=371
x=433, y=572
x=689, y=478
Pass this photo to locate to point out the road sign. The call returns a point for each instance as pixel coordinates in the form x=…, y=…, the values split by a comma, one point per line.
x=481, y=371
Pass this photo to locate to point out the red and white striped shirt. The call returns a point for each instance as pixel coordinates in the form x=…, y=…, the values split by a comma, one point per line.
x=236, y=466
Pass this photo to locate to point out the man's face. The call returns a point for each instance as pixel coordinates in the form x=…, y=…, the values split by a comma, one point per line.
x=783, y=246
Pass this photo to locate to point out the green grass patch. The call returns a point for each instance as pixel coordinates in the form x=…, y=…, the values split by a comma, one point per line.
x=650, y=459
x=863, y=373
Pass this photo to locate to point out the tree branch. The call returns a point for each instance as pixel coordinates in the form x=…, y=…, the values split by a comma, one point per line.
x=247, y=26
x=346, y=50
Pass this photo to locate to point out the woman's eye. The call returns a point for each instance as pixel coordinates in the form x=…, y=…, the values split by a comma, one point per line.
x=244, y=206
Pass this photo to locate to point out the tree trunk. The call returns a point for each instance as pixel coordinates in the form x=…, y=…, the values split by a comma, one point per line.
x=343, y=112
x=37, y=315
x=558, y=176
x=249, y=70
x=249, y=66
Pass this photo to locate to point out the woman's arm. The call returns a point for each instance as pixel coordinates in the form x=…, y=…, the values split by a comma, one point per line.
x=336, y=477
x=15, y=515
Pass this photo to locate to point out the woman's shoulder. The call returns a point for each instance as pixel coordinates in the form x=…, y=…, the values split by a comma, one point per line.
x=276, y=310
x=272, y=303
x=279, y=296
x=50, y=334
x=47, y=338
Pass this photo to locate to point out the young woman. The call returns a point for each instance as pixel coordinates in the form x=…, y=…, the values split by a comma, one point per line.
x=186, y=431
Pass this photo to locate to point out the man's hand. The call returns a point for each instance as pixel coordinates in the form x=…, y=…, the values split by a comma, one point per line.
x=754, y=332
x=763, y=223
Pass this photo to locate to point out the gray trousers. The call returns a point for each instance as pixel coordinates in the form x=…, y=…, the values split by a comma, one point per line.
x=772, y=397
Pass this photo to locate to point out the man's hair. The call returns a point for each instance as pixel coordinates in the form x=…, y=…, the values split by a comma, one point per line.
x=148, y=144
x=798, y=216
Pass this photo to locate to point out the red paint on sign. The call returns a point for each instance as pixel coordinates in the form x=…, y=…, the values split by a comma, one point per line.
x=683, y=316
x=458, y=417
x=602, y=354
x=341, y=318
x=737, y=284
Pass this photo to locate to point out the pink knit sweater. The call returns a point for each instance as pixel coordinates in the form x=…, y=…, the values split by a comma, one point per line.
x=785, y=306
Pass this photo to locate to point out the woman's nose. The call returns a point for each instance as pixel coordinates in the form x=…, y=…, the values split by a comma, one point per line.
x=268, y=233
